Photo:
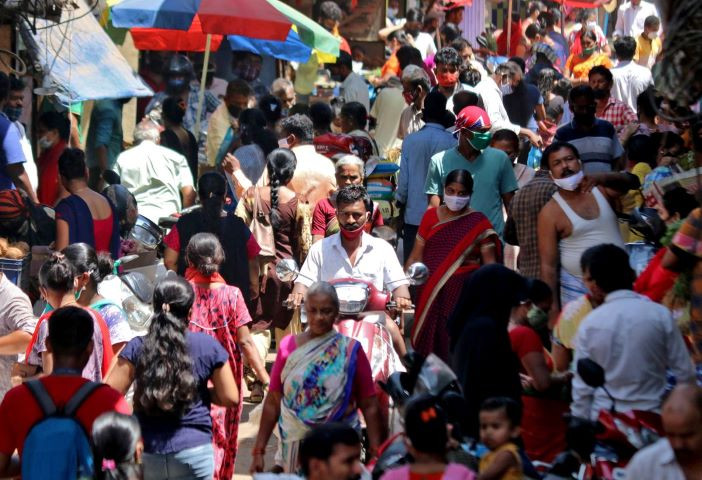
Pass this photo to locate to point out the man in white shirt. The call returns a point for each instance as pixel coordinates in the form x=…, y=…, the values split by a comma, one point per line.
x=420, y=40
x=353, y=87
x=13, y=110
x=155, y=175
x=630, y=78
x=632, y=338
x=631, y=16
x=354, y=253
x=678, y=456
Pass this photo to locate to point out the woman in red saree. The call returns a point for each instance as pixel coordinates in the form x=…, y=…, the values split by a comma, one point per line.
x=453, y=241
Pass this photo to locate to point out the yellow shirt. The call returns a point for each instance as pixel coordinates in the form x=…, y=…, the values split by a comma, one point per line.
x=647, y=50
x=514, y=473
x=580, y=67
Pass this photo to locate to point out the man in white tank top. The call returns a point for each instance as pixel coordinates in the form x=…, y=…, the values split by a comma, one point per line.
x=579, y=216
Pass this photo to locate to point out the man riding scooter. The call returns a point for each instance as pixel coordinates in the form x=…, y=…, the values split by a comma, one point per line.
x=354, y=253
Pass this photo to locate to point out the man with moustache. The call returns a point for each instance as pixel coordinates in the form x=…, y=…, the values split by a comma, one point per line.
x=579, y=216
x=678, y=456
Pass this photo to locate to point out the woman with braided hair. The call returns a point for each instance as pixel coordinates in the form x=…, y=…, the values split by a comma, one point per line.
x=280, y=207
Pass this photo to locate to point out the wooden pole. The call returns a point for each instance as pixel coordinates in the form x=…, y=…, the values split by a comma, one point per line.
x=509, y=28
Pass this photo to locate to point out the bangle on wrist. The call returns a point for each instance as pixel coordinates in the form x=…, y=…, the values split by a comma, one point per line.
x=258, y=451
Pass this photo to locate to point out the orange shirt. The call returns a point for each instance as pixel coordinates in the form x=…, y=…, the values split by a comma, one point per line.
x=579, y=67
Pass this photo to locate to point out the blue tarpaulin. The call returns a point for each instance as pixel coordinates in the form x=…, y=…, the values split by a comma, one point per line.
x=292, y=49
x=80, y=60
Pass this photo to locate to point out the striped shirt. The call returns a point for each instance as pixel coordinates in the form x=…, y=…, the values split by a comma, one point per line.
x=599, y=146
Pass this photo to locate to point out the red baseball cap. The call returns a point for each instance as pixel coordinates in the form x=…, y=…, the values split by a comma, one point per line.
x=472, y=118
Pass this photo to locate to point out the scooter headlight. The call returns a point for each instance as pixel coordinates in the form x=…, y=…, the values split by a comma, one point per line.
x=353, y=298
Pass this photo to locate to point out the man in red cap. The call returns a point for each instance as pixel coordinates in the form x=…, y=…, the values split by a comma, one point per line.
x=493, y=175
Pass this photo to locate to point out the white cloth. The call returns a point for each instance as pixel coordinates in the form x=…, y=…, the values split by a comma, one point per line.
x=425, y=44
x=376, y=261
x=355, y=89
x=630, y=79
x=587, y=233
x=315, y=175
x=15, y=315
x=387, y=111
x=217, y=127
x=492, y=101
x=155, y=175
x=655, y=461
x=29, y=165
x=630, y=18
x=634, y=340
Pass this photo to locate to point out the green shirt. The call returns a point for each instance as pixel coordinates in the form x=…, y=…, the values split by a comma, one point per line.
x=493, y=176
x=105, y=130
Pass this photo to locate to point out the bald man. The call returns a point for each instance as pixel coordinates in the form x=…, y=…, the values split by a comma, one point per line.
x=678, y=456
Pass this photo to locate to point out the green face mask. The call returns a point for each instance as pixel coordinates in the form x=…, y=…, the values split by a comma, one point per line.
x=537, y=317
x=480, y=141
x=588, y=51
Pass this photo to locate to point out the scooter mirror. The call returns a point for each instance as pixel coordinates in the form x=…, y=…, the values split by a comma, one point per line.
x=287, y=270
x=418, y=274
x=591, y=372
x=128, y=258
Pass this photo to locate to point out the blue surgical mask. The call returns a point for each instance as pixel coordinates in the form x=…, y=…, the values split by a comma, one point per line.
x=13, y=113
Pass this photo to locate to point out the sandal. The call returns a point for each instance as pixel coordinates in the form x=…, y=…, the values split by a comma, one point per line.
x=257, y=392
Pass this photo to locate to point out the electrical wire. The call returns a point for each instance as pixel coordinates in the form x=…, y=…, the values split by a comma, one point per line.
x=23, y=66
x=90, y=10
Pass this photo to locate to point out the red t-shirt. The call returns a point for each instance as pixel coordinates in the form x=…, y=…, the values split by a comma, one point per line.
x=172, y=241
x=324, y=213
x=19, y=411
x=525, y=340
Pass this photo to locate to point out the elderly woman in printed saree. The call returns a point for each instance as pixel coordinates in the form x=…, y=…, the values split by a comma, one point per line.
x=319, y=376
x=453, y=241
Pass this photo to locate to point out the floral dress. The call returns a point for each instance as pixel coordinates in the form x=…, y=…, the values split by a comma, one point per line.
x=219, y=312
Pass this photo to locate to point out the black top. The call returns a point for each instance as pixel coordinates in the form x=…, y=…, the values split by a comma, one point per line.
x=233, y=235
x=188, y=149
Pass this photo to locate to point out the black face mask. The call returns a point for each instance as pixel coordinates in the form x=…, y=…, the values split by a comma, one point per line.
x=601, y=93
x=176, y=86
x=586, y=118
x=234, y=111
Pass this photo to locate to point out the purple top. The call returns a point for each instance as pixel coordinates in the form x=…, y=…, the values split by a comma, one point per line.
x=167, y=434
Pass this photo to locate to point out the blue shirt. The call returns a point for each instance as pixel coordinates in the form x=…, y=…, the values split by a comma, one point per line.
x=417, y=150
x=598, y=147
x=165, y=434
x=493, y=176
x=11, y=152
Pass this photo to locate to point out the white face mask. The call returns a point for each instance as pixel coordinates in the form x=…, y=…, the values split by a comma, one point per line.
x=652, y=35
x=592, y=24
x=283, y=143
x=506, y=89
x=357, y=67
x=456, y=203
x=569, y=183
x=392, y=13
x=44, y=143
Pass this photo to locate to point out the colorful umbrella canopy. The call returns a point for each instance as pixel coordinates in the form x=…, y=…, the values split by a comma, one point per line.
x=292, y=49
x=192, y=40
x=311, y=33
x=256, y=19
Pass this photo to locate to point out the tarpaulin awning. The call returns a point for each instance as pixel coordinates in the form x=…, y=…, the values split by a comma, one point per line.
x=81, y=62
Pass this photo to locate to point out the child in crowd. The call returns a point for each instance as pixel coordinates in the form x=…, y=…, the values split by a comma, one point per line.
x=500, y=418
x=117, y=447
x=426, y=437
